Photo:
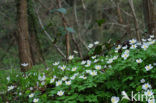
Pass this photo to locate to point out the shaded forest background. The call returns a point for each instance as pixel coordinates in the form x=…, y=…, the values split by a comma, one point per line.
x=84, y=21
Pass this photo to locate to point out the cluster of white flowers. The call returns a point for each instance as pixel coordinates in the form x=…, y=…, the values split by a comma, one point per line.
x=148, y=91
x=95, y=70
x=92, y=45
x=134, y=44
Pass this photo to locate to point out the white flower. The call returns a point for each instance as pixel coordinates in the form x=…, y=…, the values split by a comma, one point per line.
x=96, y=60
x=31, y=88
x=98, y=67
x=8, y=78
x=146, y=86
x=105, y=66
x=35, y=100
x=70, y=57
x=139, y=60
x=93, y=73
x=76, y=52
x=88, y=63
x=151, y=36
x=83, y=77
x=148, y=93
x=10, y=87
x=41, y=78
x=151, y=101
x=25, y=64
x=126, y=52
x=133, y=41
x=31, y=95
x=125, y=56
x=54, y=77
x=115, y=57
x=83, y=62
x=60, y=93
x=110, y=61
x=56, y=63
x=144, y=40
x=72, y=78
x=76, y=74
x=118, y=47
x=74, y=69
x=68, y=82
x=144, y=46
x=43, y=83
x=134, y=46
x=58, y=83
x=125, y=47
x=149, y=39
x=93, y=57
x=97, y=42
x=63, y=67
x=115, y=99
x=52, y=80
x=20, y=93
x=88, y=71
x=139, y=43
x=152, y=42
x=64, y=78
x=90, y=46
x=109, y=66
x=148, y=67
x=142, y=80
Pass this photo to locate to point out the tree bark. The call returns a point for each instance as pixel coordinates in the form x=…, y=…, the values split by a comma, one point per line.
x=35, y=48
x=23, y=35
x=149, y=16
x=135, y=20
x=67, y=34
x=119, y=13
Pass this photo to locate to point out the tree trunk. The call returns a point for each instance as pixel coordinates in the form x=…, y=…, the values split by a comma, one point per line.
x=149, y=16
x=119, y=13
x=135, y=20
x=23, y=35
x=67, y=34
x=36, y=52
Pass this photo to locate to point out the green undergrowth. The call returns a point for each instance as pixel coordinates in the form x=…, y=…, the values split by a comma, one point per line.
x=97, y=80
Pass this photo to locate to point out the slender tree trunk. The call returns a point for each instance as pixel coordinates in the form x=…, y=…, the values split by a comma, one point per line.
x=149, y=16
x=119, y=13
x=67, y=34
x=135, y=19
x=23, y=35
x=36, y=52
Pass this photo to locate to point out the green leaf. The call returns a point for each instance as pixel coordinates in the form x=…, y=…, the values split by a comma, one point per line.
x=100, y=22
x=61, y=10
x=71, y=30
